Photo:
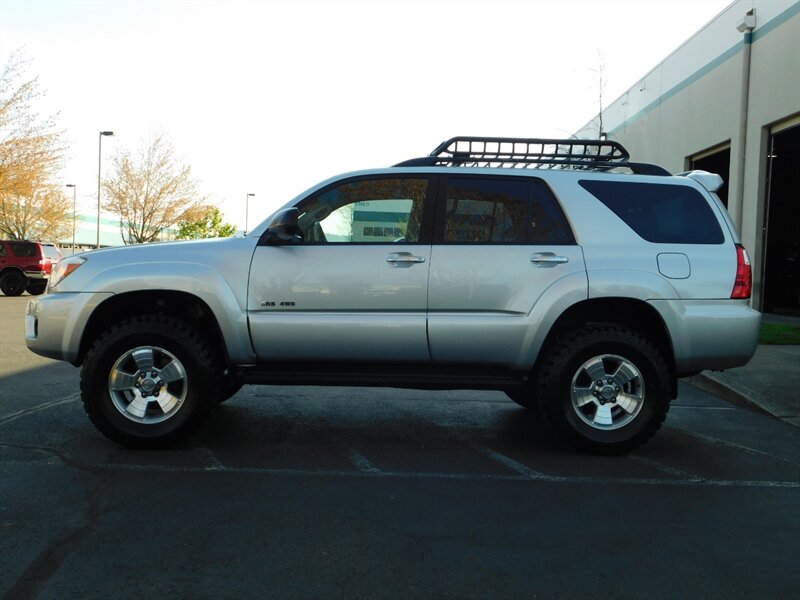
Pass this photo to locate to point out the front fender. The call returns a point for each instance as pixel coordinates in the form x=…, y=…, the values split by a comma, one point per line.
x=224, y=298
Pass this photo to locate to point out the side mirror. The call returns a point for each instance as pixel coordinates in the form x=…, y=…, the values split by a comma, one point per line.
x=282, y=229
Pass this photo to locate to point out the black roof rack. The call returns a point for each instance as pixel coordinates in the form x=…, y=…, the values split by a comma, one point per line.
x=532, y=153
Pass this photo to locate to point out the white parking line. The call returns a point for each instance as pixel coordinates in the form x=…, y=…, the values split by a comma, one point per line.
x=671, y=406
x=359, y=461
x=713, y=440
x=26, y=411
x=464, y=476
x=509, y=462
x=665, y=468
x=214, y=464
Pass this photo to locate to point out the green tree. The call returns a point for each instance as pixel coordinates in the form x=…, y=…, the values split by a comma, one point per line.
x=32, y=206
x=205, y=223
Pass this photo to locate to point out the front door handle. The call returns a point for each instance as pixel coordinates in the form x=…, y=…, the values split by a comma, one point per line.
x=548, y=259
x=397, y=259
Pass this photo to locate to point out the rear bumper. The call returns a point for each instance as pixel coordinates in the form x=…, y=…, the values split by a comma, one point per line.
x=710, y=334
x=37, y=275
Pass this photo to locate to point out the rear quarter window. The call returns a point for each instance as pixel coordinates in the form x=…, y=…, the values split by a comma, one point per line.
x=660, y=213
x=24, y=249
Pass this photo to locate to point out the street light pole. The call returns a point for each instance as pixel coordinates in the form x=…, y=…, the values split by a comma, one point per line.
x=99, y=163
x=72, y=185
x=247, y=211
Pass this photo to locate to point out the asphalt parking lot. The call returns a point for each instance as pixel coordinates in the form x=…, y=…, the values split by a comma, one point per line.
x=301, y=492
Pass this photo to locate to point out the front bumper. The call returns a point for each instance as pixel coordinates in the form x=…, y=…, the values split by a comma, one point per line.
x=55, y=323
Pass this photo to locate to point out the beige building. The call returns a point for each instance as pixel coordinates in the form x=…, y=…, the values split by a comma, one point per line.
x=728, y=101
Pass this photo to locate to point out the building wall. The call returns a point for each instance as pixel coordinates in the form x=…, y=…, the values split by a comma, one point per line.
x=694, y=99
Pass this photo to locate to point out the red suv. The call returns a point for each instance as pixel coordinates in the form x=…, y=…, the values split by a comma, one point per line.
x=23, y=266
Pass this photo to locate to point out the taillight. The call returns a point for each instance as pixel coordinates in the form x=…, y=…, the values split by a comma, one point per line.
x=743, y=286
x=46, y=265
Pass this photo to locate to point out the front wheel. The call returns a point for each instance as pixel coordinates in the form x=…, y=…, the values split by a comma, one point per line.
x=604, y=388
x=148, y=381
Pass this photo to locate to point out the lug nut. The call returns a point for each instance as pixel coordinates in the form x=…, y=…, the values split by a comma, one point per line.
x=154, y=374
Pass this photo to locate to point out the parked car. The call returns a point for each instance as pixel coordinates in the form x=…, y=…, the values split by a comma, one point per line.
x=580, y=283
x=52, y=252
x=24, y=266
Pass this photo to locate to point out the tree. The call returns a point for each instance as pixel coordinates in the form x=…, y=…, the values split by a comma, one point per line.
x=31, y=153
x=43, y=214
x=150, y=192
x=206, y=223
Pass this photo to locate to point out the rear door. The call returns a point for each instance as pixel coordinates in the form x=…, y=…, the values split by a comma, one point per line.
x=500, y=242
x=355, y=287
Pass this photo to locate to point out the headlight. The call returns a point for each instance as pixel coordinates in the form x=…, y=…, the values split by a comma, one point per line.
x=64, y=268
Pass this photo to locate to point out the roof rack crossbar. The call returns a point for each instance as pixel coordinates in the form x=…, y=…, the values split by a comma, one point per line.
x=537, y=153
x=531, y=149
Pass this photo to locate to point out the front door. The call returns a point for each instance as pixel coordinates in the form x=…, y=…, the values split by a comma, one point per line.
x=355, y=286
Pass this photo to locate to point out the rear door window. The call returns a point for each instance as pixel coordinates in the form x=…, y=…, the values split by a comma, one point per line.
x=497, y=210
x=659, y=213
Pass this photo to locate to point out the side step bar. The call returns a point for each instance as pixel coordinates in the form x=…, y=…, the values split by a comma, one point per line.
x=383, y=375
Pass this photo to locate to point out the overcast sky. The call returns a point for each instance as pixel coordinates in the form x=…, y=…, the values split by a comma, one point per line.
x=271, y=97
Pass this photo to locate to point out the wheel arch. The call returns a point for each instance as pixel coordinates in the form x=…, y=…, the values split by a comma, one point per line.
x=180, y=305
x=635, y=314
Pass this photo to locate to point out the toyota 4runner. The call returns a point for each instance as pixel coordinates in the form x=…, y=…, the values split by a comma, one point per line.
x=581, y=284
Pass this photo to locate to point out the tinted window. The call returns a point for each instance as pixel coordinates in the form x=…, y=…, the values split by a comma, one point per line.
x=366, y=210
x=666, y=214
x=503, y=211
x=2, y=249
x=23, y=249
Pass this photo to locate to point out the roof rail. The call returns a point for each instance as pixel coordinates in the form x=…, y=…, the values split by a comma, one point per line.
x=532, y=153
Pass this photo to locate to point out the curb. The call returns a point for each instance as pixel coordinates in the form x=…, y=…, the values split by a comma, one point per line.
x=740, y=395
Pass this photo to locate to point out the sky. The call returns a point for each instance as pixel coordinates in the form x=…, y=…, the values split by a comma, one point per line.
x=269, y=98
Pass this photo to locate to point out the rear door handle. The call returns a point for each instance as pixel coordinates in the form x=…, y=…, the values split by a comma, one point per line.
x=403, y=259
x=548, y=259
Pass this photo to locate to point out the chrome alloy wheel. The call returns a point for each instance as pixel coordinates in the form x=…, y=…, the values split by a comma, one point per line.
x=148, y=385
x=607, y=392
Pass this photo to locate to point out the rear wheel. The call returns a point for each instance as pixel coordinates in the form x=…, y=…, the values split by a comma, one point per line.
x=149, y=381
x=12, y=283
x=36, y=287
x=604, y=388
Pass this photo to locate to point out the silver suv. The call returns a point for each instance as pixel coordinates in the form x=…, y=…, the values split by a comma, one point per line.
x=581, y=284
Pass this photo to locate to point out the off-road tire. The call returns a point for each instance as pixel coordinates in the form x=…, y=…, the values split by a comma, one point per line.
x=12, y=283
x=202, y=379
x=36, y=287
x=562, y=366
